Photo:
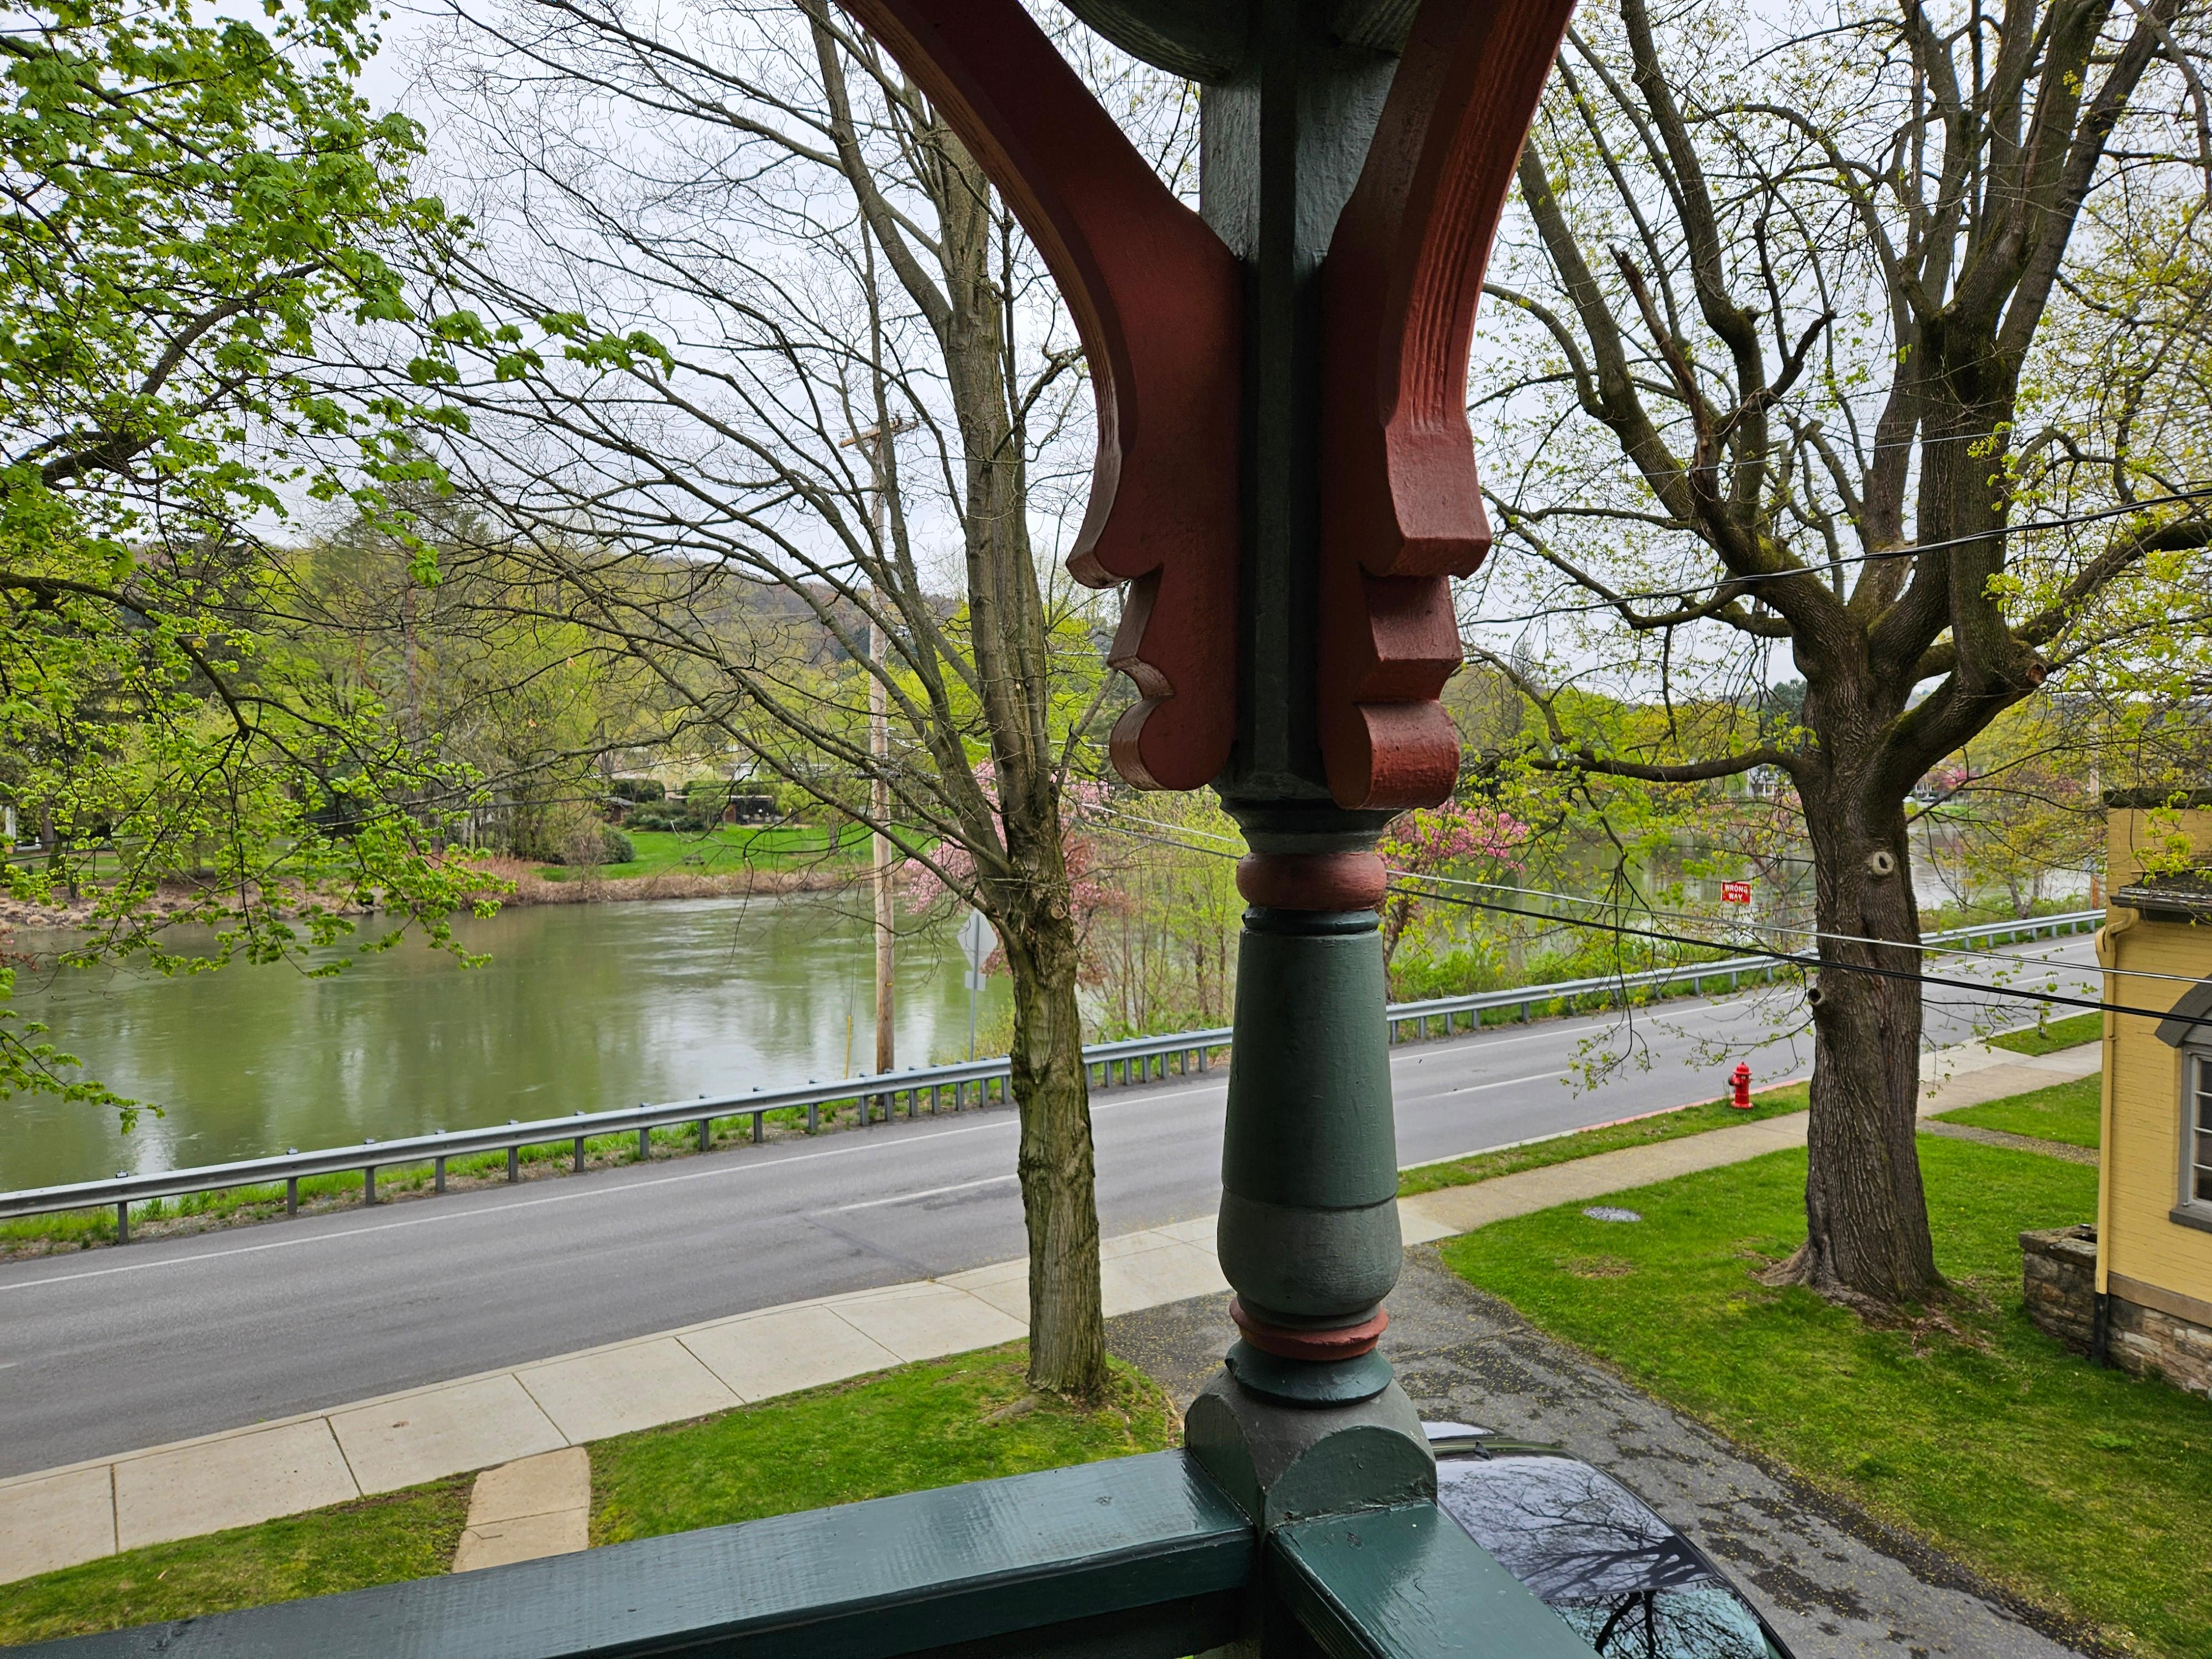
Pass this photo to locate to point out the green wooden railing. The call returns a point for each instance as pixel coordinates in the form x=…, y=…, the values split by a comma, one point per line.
x=1134, y=1557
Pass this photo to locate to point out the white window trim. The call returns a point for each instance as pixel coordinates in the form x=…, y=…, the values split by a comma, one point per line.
x=2196, y=1082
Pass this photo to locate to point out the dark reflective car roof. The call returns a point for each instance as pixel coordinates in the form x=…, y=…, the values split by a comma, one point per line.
x=1628, y=1582
x=1564, y=1529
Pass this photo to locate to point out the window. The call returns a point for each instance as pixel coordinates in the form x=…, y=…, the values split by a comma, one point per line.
x=2197, y=1188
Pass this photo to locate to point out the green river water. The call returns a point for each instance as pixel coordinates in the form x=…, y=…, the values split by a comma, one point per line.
x=581, y=1008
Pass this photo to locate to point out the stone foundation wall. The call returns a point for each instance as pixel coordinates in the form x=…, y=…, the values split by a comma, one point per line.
x=2058, y=1273
x=2148, y=1342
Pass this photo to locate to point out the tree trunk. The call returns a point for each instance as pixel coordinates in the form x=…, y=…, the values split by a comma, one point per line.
x=1866, y=1213
x=1067, y=1338
x=1030, y=901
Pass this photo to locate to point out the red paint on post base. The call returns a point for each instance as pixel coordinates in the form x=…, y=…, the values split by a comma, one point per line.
x=1345, y=1342
x=1313, y=881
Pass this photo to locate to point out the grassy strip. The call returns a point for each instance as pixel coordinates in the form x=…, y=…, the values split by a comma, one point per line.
x=935, y=1423
x=2071, y=1112
x=2083, y=1489
x=1609, y=1138
x=372, y=1540
x=2053, y=1036
x=970, y=1418
x=727, y=851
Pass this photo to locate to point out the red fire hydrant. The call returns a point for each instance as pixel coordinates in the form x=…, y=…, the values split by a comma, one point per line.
x=1742, y=1079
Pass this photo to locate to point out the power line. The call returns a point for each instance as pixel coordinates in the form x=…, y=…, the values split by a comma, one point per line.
x=1820, y=965
x=1775, y=926
x=1670, y=915
x=1683, y=594
x=1794, y=958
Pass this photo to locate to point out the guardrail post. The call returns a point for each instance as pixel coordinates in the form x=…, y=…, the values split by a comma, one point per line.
x=514, y=1163
x=814, y=1117
x=645, y=1144
x=439, y=1165
x=123, y=1222
x=368, y=1184
x=758, y=1133
x=580, y=1155
x=703, y=1133
x=291, y=1196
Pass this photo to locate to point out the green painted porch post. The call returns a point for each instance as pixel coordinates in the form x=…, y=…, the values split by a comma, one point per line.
x=1304, y=1418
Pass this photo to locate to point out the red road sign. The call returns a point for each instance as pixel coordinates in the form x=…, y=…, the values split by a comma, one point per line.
x=1736, y=892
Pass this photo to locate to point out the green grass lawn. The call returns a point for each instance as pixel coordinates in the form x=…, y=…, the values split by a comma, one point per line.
x=2071, y=1112
x=731, y=850
x=2053, y=1035
x=2084, y=1490
x=970, y=1418
x=373, y=1540
x=1583, y=1143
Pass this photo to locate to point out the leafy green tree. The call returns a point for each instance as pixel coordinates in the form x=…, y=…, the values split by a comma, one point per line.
x=1777, y=367
x=192, y=207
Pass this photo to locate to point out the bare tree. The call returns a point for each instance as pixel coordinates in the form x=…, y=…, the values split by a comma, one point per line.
x=1769, y=367
x=718, y=246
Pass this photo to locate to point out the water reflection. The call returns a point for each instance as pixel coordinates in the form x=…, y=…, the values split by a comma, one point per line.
x=1627, y=1583
x=582, y=1007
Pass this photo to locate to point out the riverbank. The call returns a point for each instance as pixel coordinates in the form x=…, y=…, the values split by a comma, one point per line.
x=530, y=884
x=512, y=881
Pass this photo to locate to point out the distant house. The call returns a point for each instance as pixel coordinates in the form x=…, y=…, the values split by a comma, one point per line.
x=2153, y=1238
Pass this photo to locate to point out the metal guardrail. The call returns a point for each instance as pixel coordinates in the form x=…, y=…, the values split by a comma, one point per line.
x=1695, y=976
x=969, y=1082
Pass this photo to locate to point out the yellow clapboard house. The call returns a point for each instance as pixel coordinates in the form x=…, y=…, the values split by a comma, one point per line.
x=2154, y=1238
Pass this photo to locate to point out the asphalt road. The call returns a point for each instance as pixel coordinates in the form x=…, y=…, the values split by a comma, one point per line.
x=109, y=1350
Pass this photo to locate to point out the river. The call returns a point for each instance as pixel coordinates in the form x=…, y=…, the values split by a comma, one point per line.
x=581, y=1007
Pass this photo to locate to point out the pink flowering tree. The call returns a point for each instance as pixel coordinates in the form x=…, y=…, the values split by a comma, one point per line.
x=1436, y=841
x=949, y=870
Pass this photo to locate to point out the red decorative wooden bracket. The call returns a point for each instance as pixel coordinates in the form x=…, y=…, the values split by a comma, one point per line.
x=1401, y=510
x=1158, y=301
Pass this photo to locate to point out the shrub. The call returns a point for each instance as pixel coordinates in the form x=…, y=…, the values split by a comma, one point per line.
x=615, y=848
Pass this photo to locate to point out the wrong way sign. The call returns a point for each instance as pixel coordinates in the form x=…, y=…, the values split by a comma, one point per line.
x=977, y=941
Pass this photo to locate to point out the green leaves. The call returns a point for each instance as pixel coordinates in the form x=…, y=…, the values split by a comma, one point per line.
x=188, y=203
x=196, y=215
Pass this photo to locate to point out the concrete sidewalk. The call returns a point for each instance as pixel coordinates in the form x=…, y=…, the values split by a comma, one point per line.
x=1964, y=1076
x=58, y=1517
